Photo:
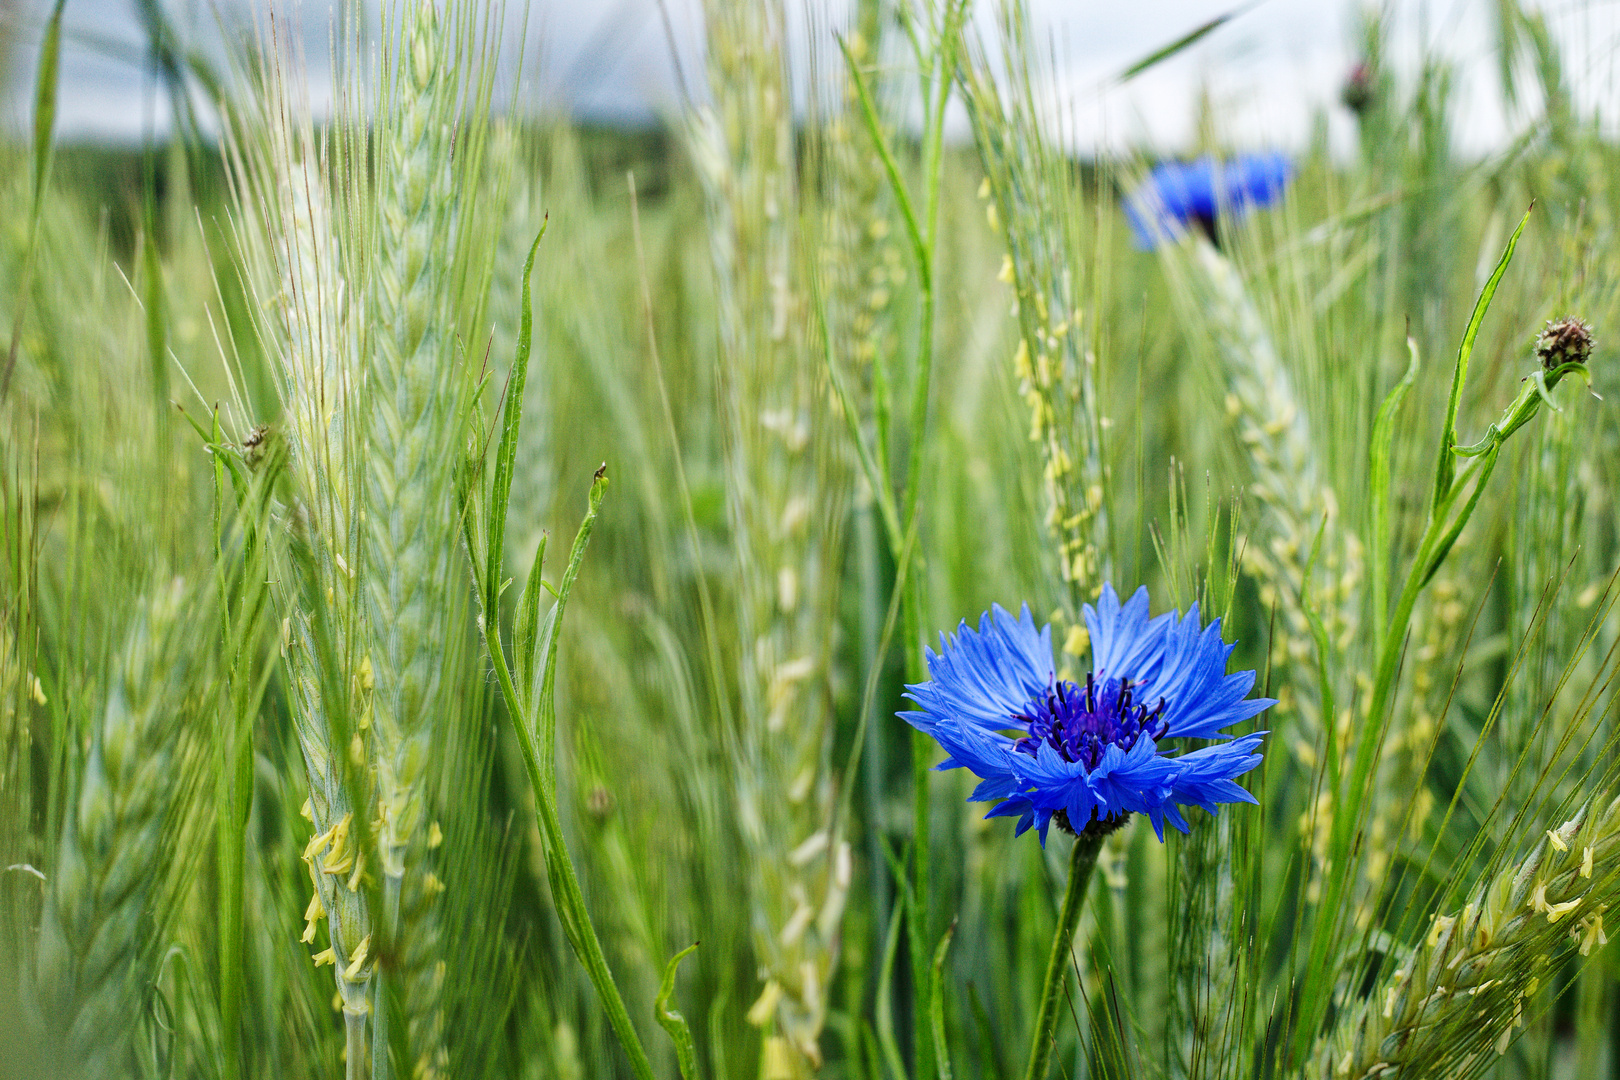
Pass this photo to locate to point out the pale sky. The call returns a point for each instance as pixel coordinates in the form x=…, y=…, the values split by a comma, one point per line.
x=1269, y=70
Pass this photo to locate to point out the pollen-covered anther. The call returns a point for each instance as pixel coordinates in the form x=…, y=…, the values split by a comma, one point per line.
x=332, y=837
x=1558, y=911
x=353, y=883
x=340, y=857
x=1591, y=934
x=357, y=960
x=312, y=914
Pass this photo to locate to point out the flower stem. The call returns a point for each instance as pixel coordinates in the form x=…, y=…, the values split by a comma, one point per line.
x=1081, y=862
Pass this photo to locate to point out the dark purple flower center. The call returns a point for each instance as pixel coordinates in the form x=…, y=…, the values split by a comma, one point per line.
x=1081, y=722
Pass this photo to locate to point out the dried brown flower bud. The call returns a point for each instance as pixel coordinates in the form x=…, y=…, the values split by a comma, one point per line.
x=1359, y=89
x=1565, y=341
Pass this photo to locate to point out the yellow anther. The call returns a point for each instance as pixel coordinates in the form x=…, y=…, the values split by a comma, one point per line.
x=1538, y=897
x=1594, y=936
x=354, y=879
x=1586, y=863
x=333, y=836
x=1556, y=841
x=357, y=959
x=761, y=1012
x=435, y=836
x=314, y=912
x=324, y=957
x=339, y=858
x=1558, y=911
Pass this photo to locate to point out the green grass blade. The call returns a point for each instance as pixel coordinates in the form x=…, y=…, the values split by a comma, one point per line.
x=989, y=1056
x=547, y=715
x=537, y=738
x=936, y=1001
x=526, y=623
x=1383, y=434
x=45, y=88
x=1445, y=469
x=506, y=454
x=673, y=1022
x=874, y=128
x=155, y=306
x=1185, y=41
x=885, y=1001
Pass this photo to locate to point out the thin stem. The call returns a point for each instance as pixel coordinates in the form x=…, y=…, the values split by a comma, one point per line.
x=1082, y=860
x=923, y=750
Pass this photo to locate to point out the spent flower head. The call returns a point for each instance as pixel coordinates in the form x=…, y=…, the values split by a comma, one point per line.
x=1360, y=88
x=1565, y=341
x=1177, y=194
x=1089, y=753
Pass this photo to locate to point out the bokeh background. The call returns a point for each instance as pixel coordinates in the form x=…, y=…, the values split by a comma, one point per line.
x=1271, y=72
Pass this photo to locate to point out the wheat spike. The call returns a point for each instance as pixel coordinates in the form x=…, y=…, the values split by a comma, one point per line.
x=1452, y=1005
x=108, y=902
x=416, y=398
x=1037, y=214
x=785, y=510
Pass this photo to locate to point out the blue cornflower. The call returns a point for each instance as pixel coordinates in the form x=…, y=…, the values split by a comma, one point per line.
x=1089, y=753
x=1177, y=194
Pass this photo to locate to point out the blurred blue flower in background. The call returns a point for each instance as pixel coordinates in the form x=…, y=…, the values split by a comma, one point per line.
x=1089, y=753
x=1177, y=194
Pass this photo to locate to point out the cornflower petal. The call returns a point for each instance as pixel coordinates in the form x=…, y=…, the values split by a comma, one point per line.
x=1177, y=194
x=1124, y=641
x=984, y=676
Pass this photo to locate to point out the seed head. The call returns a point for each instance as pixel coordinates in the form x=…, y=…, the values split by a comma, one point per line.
x=1359, y=88
x=1568, y=340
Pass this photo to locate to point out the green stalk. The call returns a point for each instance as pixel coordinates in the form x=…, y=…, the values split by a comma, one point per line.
x=45, y=90
x=531, y=697
x=1082, y=860
x=922, y=236
x=229, y=824
x=539, y=761
x=923, y=749
x=1445, y=524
